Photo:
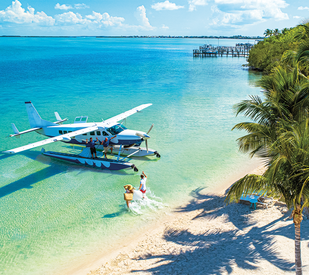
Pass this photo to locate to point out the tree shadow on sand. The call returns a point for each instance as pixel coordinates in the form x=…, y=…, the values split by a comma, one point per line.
x=217, y=251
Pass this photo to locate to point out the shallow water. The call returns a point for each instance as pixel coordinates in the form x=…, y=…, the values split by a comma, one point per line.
x=53, y=212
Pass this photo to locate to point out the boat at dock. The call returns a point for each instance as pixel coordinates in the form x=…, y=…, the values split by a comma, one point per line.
x=84, y=158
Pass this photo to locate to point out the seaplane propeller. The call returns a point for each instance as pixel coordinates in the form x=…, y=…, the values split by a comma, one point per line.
x=146, y=140
x=144, y=136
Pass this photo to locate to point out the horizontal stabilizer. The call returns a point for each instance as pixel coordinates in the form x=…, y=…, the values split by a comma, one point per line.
x=59, y=119
x=17, y=133
x=57, y=116
x=15, y=130
x=64, y=137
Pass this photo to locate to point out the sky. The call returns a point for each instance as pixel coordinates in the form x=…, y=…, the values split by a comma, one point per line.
x=150, y=17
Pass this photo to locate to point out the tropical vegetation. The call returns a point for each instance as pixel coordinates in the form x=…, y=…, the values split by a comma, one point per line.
x=279, y=129
x=267, y=54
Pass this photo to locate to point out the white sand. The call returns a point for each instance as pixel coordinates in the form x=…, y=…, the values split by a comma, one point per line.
x=207, y=237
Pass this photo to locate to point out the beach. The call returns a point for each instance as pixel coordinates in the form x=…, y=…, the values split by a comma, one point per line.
x=206, y=236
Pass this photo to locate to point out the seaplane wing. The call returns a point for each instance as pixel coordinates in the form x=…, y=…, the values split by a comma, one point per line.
x=65, y=137
x=115, y=119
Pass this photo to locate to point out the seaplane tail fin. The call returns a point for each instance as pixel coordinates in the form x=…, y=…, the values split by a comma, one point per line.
x=34, y=118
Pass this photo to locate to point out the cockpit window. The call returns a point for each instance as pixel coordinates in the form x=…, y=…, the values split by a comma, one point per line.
x=116, y=129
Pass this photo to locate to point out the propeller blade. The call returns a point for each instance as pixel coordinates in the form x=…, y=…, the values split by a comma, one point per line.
x=146, y=145
x=149, y=129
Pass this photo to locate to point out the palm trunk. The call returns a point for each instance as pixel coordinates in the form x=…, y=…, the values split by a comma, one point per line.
x=297, y=250
x=297, y=218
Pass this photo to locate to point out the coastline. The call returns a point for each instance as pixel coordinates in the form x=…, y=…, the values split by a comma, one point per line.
x=91, y=263
x=204, y=232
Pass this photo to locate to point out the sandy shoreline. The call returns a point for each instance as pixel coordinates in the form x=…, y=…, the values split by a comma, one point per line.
x=204, y=236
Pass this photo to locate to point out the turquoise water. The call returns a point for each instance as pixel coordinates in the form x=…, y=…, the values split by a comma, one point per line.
x=53, y=213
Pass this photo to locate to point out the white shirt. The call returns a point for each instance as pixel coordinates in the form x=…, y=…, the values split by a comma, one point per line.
x=143, y=183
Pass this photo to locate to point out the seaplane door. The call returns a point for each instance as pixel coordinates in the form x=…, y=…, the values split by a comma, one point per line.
x=115, y=140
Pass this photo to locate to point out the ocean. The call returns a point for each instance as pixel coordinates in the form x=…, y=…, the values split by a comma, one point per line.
x=53, y=213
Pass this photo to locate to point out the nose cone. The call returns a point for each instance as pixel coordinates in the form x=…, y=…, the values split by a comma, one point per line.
x=142, y=135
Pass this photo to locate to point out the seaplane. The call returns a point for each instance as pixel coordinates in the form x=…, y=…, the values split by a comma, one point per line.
x=125, y=141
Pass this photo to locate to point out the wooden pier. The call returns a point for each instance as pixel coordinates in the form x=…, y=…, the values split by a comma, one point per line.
x=240, y=50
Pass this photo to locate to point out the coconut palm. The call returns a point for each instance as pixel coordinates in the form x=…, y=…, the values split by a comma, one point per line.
x=287, y=174
x=285, y=98
x=268, y=33
x=302, y=54
x=302, y=32
x=279, y=134
x=276, y=32
x=302, y=57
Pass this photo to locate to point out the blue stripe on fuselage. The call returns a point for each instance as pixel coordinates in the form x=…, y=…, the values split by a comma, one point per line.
x=137, y=141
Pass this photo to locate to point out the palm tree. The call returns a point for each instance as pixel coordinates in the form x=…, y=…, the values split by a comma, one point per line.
x=287, y=175
x=268, y=33
x=302, y=55
x=285, y=98
x=280, y=136
x=276, y=32
x=285, y=30
x=302, y=32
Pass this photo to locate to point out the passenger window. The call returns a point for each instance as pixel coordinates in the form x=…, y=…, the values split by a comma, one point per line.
x=104, y=133
x=98, y=133
x=85, y=134
x=92, y=134
x=70, y=131
x=60, y=132
x=65, y=132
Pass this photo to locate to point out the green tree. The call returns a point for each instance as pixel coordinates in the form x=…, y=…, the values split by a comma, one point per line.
x=285, y=98
x=279, y=134
x=276, y=32
x=268, y=33
x=267, y=54
x=287, y=175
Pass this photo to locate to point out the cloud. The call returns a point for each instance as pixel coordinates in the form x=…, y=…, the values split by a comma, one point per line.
x=303, y=8
x=194, y=3
x=140, y=15
x=63, y=7
x=70, y=18
x=166, y=6
x=224, y=18
x=165, y=27
x=69, y=7
x=240, y=12
x=70, y=21
x=296, y=17
x=16, y=14
x=105, y=19
x=81, y=6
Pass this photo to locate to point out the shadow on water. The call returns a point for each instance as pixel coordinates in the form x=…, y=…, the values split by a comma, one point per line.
x=217, y=251
x=29, y=180
x=55, y=167
x=4, y=156
x=116, y=214
x=113, y=215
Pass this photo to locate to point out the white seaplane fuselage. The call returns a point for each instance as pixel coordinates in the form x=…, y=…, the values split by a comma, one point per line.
x=124, y=136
